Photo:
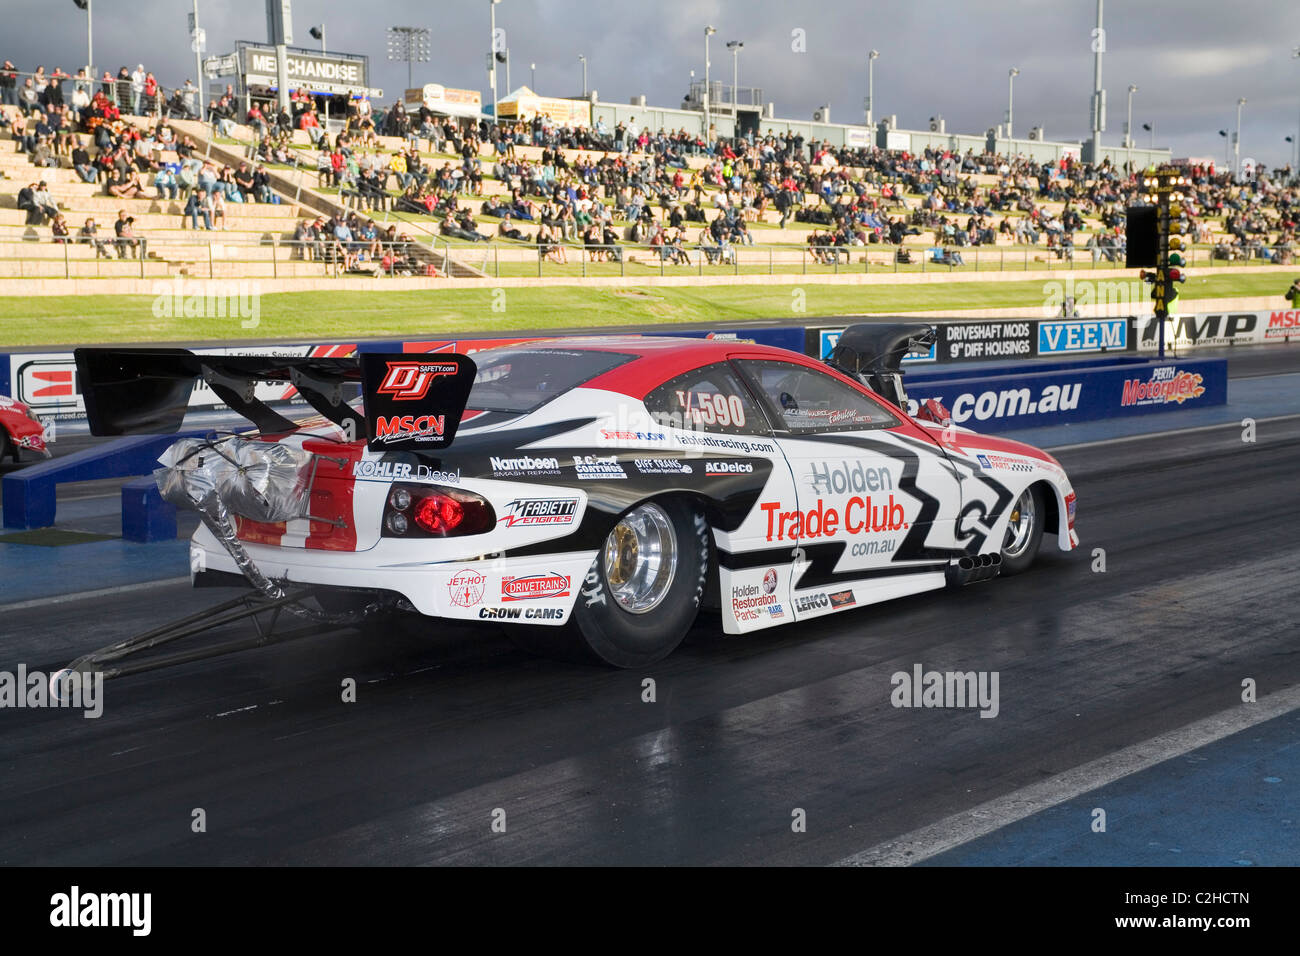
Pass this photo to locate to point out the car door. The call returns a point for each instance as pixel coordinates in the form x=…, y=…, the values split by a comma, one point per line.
x=875, y=500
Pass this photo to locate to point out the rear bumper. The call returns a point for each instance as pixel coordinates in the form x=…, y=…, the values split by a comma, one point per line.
x=458, y=589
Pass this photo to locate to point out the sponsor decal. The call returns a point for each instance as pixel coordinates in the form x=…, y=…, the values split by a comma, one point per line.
x=403, y=471
x=521, y=613
x=1167, y=384
x=1071, y=505
x=841, y=599
x=608, y=435
x=1007, y=402
x=1082, y=335
x=593, y=588
x=769, y=581
x=413, y=427
x=1204, y=330
x=842, y=478
x=982, y=340
x=662, y=466
x=716, y=468
x=466, y=587
x=862, y=549
x=828, y=416
x=711, y=408
x=533, y=587
x=540, y=511
x=590, y=467
x=741, y=445
x=860, y=516
x=525, y=465
x=410, y=381
x=993, y=462
x=749, y=603
x=811, y=602
x=1282, y=325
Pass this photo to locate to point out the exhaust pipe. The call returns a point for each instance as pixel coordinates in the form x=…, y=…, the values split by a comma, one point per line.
x=973, y=568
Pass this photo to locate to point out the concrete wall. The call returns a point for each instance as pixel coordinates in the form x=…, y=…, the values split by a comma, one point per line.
x=840, y=134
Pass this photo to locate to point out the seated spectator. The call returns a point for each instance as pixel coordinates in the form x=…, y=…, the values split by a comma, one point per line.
x=166, y=183
x=82, y=164
x=510, y=231
x=127, y=241
x=41, y=200
x=309, y=122
x=262, y=184
x=89, y=234
x=198, y=205
x=59, y=229
x=42, y=154
x=305, y=237
x=344, y=247
x=243, y=180
x=124, y=186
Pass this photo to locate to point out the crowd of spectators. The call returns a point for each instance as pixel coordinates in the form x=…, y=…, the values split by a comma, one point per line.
x=633, y=184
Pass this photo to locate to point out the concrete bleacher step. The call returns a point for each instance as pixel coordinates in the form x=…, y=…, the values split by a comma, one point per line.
x=87, y=268
x=145, y=222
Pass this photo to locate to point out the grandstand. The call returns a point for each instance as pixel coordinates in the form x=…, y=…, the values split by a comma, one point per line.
x=845, y=211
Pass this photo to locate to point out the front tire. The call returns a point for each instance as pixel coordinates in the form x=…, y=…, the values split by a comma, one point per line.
x=641, y=594
x=1024, y=531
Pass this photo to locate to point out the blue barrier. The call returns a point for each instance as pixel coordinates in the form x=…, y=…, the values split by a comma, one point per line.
x=29, y=495
x=783, y=337
x=145, y=516
x=1057, y=393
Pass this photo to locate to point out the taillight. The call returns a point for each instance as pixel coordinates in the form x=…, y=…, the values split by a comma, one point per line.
x=427, y=511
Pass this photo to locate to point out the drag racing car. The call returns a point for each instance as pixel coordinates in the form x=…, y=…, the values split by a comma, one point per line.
x=590, y=494
x=20, y=429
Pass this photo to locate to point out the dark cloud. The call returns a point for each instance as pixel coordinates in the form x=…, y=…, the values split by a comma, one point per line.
x=1191, y=61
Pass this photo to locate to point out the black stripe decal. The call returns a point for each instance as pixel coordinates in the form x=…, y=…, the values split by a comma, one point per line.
x=822, y=559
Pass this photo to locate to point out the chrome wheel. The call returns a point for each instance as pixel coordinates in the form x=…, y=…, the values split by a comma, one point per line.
x=640, y=559
x=1020, y=526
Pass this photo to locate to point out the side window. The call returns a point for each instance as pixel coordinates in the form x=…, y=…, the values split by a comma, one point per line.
x=807, y=400
x=709, y=399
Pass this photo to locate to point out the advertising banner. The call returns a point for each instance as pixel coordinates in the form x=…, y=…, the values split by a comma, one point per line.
x=954, y=341
x=1082, y=336
x=1060, y=393
x=1219, y=329
x=318, y=72
x=445, y=99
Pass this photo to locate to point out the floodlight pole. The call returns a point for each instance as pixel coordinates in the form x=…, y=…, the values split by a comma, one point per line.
x=871, y=85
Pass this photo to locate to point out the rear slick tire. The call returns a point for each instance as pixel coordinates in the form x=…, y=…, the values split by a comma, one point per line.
x=641, y=594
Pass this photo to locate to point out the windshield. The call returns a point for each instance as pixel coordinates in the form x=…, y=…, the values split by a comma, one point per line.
x=522, y=380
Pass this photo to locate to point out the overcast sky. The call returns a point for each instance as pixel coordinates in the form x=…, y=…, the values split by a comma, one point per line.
x=1190, y=60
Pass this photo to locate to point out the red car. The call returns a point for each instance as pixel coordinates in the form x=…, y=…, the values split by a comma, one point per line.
x=19, y=429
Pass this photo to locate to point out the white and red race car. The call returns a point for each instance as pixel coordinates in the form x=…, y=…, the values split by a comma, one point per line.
x=592, y=494
x=20, y=429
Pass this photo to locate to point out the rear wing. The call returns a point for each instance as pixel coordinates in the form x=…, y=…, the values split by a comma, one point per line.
x=873, y=352
x=411, y=403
